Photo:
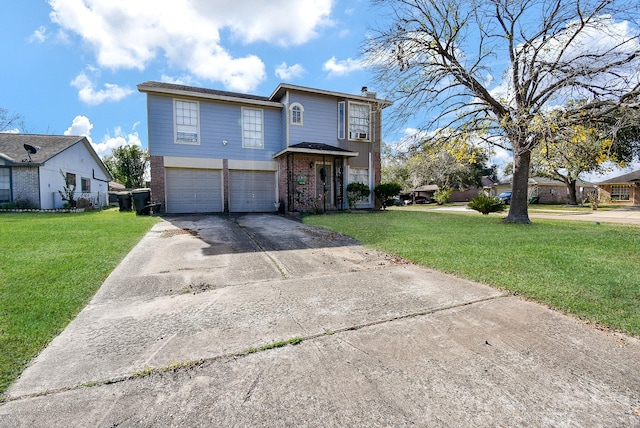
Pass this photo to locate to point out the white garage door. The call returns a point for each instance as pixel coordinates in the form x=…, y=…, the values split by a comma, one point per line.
x=252, y=191
x=193, y=190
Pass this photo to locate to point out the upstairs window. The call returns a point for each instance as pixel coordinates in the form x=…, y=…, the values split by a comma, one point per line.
x=297, y=114
x=359, y=118
x=252, y=128
x=341, y=120
x=186, y=122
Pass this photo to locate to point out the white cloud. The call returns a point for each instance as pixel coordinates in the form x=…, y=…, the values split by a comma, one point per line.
x=343, y=67
x=285, y=72
x=111, y=142
x=126, y=34
x=184, y=79
x=39, y=35
x=88, y=94
x=81, y=125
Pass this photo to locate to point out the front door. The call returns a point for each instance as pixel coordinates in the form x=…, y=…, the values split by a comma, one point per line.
x=324, y=185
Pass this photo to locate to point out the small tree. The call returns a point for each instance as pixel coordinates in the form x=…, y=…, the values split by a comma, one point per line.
x=357, y=192
x=68, y=192
x=127, y=165
x=385, y=191
x=442, y=196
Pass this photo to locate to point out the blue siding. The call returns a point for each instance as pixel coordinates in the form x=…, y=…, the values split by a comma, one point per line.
x=320, y=124
x=218, y=122
x=160, y=123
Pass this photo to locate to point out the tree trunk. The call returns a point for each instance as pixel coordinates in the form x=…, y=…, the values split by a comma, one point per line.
x=571, y=185
x=519, y=208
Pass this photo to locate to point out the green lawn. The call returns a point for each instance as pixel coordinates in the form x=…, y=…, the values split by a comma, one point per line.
x=585, y=269
x=50, y=266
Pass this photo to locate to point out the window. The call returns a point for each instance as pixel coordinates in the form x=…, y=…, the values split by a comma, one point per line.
x=5, y=185
x=620, y=192
x=252, y=128
x=70, y=180
x=86, y=185
x=186, y=122
x=341, y=120
x=360, y=175
x=297, y=114
x=359, y=116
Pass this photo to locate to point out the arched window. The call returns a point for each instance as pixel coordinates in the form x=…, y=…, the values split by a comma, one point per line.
x=297, y=114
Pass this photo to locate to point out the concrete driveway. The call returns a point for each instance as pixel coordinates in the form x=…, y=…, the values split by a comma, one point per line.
x=186, y=332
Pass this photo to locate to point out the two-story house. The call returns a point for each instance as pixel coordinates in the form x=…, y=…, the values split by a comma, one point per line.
x=296, y=150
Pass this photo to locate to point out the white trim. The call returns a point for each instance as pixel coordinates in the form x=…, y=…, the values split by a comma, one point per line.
x=342, y=132
x=291, y=107
x=261, y=130
x=175, y=125
x=251, y=165
x=348, y=123
x=202, y=95
x=199, y=163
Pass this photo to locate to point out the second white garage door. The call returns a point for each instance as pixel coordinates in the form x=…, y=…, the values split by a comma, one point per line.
x=193, y=190
x=252, y=191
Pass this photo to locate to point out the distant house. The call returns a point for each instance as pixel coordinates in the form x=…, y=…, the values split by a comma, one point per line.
x=32, y=169
x=467, y=194
x=295, y=150
x=550, y=191
x=458, y=195
x=622, y=190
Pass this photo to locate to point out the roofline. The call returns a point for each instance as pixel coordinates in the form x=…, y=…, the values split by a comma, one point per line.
x=315, y=152
x=287, y=86
x=218, y=97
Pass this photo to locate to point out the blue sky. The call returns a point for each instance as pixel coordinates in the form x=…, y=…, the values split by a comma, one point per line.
x=72, y=66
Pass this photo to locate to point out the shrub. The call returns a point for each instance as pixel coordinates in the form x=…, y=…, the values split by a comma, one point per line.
x=386, y=191
x=356, y=192
x=486, y=204
x=19, y=204
x=442, y=196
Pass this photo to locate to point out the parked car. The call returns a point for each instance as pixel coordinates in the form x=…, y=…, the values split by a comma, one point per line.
x=417, y=199
x=505, y=197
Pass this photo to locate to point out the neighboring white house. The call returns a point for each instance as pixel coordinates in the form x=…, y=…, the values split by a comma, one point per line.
x=34, y=168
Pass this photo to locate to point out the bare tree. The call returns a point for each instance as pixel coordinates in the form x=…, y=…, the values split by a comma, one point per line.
x=10, y=122
x=437, y=58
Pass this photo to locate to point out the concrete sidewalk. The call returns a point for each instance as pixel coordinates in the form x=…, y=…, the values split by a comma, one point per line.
x=185, y=333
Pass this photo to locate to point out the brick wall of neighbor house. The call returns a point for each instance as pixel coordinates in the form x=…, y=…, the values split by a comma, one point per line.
x=551, y=194
x=464, y=195
x=26, y=184
x=634, y=196
x=157, y=181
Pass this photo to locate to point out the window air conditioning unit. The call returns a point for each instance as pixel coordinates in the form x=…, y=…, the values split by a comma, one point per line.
x=359, y=136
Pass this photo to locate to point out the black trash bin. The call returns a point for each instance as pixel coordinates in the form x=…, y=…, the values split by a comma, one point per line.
x=141, y=199
x=124, y=201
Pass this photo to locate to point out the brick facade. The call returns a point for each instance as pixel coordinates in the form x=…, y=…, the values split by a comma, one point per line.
x=157, y=181
x=26, y=184
x=297, y=184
